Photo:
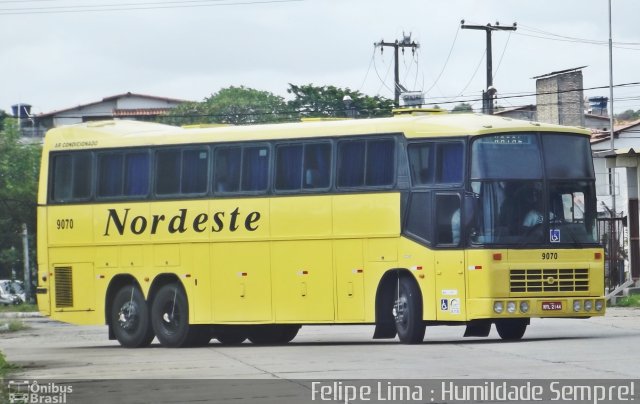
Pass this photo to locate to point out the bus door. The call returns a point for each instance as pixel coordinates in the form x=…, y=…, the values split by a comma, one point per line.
x=449, y=259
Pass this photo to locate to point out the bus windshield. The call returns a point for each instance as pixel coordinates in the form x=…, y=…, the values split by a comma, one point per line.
x=529, y=190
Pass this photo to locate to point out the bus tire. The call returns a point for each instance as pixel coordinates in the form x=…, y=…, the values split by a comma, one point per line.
x=408, y=312
x=170, y=317
x=273, y=334
x=511, y=329
x=130, y=318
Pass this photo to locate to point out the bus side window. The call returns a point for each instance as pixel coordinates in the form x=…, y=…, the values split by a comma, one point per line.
x=317, y=166
x=288, y=167
x=195, y=165
x=351, y=158
x=72, y=176
x=448, y=219
x=136, y=174
x=255, y=168
x=368, y=163
x=450, y=163
x=421, y=163
x=227, y=169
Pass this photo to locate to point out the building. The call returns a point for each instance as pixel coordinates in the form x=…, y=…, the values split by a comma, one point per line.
x=617, y=183
x=559, y=97
x=122, y=106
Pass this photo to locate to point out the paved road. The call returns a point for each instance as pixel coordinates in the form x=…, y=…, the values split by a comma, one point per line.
x=597, y=348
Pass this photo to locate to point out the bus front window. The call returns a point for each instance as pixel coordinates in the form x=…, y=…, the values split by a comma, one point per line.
x=523, y=201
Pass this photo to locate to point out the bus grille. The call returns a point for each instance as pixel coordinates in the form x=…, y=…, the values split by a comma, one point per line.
x=549, y=280
x=64, y=287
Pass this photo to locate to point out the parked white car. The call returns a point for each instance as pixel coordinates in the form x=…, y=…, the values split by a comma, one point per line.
x=11, y=292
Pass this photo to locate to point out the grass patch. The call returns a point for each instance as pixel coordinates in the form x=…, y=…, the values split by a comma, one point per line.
x=22, y=308
x=12, y=326
x=5, y=367
x=628, y=301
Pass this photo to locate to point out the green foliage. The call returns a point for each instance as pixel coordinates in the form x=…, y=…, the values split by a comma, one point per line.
x=19, y=308
x=629, y=301
x=327, y=101
x=5, y=367
x=234, y=106
x=19, y=166
x=628, y=115
x=243, y=106
x=462, y=107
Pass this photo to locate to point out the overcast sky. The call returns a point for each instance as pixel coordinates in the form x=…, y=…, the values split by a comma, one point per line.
x=56, y=54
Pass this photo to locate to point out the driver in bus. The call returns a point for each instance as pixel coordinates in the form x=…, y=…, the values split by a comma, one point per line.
x=534, y=216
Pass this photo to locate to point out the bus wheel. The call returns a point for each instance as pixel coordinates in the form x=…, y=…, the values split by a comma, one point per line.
x=407, y=311
x=230, y=334
x=511, y=329
x=272, y=334
x=130, y=318
x=170, y=317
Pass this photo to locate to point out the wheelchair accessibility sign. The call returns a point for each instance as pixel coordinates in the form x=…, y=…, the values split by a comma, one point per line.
x=444, y=304
x=554, y=235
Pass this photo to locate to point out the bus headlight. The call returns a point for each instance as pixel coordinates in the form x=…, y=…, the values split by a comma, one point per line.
x=599, y=305
x=577, y=305
x=588, y=305
x=524, y=307
x=498, y=307
x=511, y=307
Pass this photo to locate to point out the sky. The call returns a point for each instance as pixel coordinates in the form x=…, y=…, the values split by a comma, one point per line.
x=56, y=54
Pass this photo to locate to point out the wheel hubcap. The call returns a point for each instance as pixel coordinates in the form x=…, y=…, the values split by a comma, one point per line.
x=128, y=316
x=401, y=309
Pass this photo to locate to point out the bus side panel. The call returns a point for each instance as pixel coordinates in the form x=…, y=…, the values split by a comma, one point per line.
x=349, y=269
x=196, y=263
x=43, y=281
x=302, y=281
x=240, y=282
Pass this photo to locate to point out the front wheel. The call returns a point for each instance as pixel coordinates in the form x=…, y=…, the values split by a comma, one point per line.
x=130, y=318
x=170, y=318
x=511, y=329
x=407, y=311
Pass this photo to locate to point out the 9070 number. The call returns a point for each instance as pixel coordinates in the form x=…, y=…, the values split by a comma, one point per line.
x=550, y=256
x=64, y=224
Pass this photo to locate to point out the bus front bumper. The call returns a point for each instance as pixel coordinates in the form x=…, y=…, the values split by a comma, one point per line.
x=536, y=307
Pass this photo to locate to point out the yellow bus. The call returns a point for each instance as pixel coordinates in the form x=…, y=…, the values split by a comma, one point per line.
x=235, y=233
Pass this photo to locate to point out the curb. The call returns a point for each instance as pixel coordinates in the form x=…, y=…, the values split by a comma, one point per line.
x=28, y=314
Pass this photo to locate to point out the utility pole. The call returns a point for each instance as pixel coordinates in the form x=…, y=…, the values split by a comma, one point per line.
x=488, y=94
x=406, y=43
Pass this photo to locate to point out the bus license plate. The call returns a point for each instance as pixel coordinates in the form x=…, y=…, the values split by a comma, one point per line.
x=551, y=306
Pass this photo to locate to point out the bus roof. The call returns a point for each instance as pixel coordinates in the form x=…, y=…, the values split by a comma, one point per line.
x=123, y=133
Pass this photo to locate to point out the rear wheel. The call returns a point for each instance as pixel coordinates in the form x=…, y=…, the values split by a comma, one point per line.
x=130, y=318
x=407, y=311
x=170, y=318
x=511, y=329
x=272, y=334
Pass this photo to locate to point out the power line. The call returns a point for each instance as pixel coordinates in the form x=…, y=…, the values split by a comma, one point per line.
x=134, y=6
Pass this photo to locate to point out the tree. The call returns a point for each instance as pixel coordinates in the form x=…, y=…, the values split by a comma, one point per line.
x=232, y=105
x=19, y=168
x=327, y=101
x=463, y=107
x=628, y=115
